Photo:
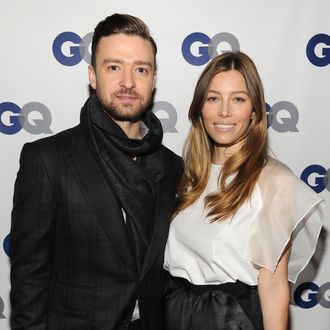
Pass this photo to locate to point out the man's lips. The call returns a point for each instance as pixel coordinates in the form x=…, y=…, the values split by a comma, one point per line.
x=127, y=96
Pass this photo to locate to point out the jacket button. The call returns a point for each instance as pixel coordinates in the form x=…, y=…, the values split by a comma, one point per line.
x=126, y=324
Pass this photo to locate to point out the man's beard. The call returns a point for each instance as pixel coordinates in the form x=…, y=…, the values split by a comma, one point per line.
x=124, y=112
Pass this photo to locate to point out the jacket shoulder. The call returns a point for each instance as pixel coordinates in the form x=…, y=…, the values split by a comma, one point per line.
x=173, y=162
x=52, y=148
x=171, y=158
x=170, y=154
x=59, y=138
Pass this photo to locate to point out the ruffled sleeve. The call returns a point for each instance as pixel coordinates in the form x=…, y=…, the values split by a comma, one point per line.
x=290, y=210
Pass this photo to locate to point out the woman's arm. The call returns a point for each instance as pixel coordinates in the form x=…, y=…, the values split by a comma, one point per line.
x=274, y=293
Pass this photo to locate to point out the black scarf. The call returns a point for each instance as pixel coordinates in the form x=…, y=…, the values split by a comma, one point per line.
x=133, y=181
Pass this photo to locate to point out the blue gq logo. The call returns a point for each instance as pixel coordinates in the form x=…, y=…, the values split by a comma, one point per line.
x=317, y=177
x=69, y=48
x=6, y=245
x=309, y=294
x=34, y=117
x=318, y=50
x=198, y=48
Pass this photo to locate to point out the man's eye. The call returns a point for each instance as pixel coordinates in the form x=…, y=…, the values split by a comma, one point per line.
x=142, y=70
x=113, y=67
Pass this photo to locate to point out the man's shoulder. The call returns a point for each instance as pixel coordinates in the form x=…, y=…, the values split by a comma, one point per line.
x=50, y=147
x=169, y=153
x=62, y=137
x=173, y=162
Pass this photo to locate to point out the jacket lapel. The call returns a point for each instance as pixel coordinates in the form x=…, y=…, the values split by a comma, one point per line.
x=100, y=197
x=161, y=224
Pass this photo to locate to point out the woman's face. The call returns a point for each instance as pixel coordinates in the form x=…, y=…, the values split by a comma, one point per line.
x=227, y=110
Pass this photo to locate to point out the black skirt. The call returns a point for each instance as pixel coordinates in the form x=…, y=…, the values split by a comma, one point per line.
x=229, y=306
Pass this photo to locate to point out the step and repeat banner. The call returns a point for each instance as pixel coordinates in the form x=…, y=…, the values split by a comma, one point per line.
x=45, y=51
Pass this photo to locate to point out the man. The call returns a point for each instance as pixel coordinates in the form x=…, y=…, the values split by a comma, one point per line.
x=92, y=204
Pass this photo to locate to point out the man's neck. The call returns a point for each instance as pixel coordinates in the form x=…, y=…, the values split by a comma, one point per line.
x=132, y=130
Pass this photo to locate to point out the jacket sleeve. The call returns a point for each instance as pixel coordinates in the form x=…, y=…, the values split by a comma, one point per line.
x=31, y=242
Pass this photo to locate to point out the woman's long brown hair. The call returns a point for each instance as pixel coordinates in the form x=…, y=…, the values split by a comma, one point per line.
x=241, y=171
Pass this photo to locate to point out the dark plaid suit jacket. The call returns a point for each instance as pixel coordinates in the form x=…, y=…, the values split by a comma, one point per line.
x=72, y=267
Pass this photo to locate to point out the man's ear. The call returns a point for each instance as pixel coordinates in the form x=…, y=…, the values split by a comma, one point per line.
x=92, y=76
x=154, y=81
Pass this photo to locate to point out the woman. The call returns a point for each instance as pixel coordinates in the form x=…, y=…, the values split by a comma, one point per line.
x=245, y=225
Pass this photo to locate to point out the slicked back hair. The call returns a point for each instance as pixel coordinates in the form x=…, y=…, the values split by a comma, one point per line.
x=121, y=23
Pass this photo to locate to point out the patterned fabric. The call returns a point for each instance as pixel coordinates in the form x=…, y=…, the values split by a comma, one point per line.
x=133, y=181
x=71, y=262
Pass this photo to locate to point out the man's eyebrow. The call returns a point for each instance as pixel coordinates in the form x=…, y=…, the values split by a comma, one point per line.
x=143, y=63
x=116, y=60
x=112, y=60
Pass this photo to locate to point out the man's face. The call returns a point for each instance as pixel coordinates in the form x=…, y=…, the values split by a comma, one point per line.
x=124, y=76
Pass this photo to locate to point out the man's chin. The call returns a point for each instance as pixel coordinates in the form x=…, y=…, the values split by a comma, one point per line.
x=127, y=111
x=130, y=116
x=131, y=119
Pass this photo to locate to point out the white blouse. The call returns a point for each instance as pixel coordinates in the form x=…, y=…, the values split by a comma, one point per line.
x=282, y=207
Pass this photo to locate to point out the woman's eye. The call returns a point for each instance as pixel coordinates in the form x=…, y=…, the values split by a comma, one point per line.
x=211, y=99
x=239, y=99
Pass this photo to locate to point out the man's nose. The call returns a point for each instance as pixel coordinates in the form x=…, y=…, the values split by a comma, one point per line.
x=127, y=79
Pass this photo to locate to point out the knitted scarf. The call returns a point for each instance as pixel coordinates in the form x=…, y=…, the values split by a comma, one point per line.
x=133, y=181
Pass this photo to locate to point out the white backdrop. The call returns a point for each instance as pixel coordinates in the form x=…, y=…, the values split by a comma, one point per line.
x=41, y=94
